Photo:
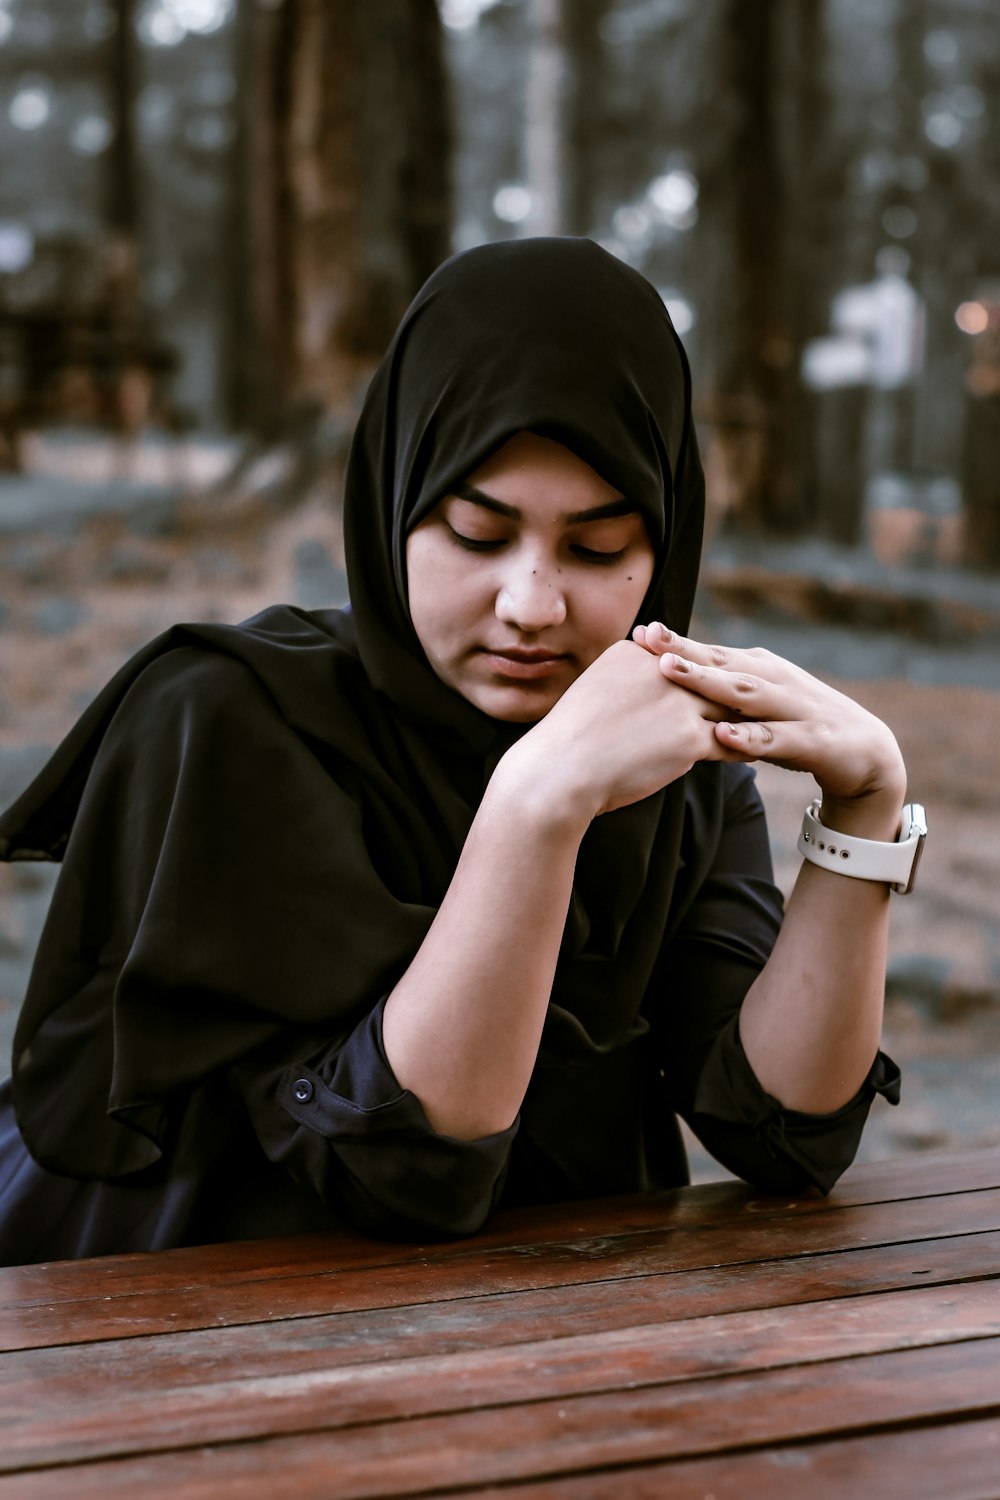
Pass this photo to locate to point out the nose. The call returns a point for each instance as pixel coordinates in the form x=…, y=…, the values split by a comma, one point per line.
x=531, y=598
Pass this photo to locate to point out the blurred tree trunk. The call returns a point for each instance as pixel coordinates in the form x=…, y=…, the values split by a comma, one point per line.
x=586, y=121
x=825, y=431
x=347, y=199
x=545, y=117
x=750, y=405
x=563, y=116
x=122, y=183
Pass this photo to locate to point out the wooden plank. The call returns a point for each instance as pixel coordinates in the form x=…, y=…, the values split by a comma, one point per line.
x=103, y=1408
x=480, y=1271
x=350, y=1339
x=717, y=1203
x=907, y=1465
x=918, y=1176
x=679, y=1293
x=549, y=1438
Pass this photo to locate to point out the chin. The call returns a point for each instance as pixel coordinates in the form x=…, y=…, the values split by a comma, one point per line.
x=513, y=706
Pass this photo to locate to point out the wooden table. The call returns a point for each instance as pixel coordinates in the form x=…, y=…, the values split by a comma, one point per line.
x=703, y=1343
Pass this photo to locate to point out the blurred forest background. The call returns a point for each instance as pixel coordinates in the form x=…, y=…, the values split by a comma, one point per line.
x=213, y=213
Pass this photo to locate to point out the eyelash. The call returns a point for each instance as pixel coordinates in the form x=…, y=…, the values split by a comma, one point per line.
x=585, y=554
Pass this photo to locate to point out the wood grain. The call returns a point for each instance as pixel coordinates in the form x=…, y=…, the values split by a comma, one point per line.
x=483, y=1271
x=937, y=1462
x=99, y=1409
x=720, y=1203
x=577, y=1433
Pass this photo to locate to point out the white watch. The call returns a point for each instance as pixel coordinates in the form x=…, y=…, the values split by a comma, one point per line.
x=866, y=859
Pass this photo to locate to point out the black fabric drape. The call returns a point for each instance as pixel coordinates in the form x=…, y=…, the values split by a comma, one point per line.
x=183, y=933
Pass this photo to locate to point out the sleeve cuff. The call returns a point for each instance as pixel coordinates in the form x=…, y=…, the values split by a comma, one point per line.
x=393, y=1172
x=822, y=1146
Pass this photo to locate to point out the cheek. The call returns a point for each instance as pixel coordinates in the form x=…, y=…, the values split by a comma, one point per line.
x=419, y=585
x=619, y=599
x=440, y=595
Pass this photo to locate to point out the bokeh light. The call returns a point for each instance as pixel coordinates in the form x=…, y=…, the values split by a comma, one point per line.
x=17, y=246
x=972, y=317
x=201, y=16
x=899, y=221
x=941, y=48
x=91, y=135
x=160, y=28
x=463, y=15
x=165, y=23
x=943, y=129
x=512, y=203
x=31, y=106
x=674, y=198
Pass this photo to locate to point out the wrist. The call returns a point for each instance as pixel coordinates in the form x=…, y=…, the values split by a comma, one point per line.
x=528, y=784
x=875, y=812
x=875, y=815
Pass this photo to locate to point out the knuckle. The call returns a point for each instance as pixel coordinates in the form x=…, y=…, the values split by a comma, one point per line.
x=746, y=685
x=720, y=655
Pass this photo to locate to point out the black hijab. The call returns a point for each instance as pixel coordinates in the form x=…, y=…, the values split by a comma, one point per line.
x=212, y=898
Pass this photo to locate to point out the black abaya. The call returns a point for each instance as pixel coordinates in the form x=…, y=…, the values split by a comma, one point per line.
x=257, y=824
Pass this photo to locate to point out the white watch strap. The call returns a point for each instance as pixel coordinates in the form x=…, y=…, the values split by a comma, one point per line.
x=866, y=859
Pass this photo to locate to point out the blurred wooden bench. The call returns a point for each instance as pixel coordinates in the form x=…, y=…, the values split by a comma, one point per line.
x=74, y=347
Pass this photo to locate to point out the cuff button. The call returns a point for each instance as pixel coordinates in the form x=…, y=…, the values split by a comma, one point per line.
x=303, y=1090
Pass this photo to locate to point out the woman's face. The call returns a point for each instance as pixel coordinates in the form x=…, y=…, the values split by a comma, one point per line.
x=523, y=576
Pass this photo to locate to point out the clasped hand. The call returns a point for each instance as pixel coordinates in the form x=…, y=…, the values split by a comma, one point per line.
x=638, y=719
x=772, y=710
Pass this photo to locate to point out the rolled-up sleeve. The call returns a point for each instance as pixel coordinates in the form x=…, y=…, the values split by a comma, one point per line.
x=747, y=1130
x=720, y=946
x=335, y=1117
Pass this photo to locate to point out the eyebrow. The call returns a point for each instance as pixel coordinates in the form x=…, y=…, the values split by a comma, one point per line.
x=612, y=508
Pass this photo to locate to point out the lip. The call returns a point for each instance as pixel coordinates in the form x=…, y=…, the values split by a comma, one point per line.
x=525, y=664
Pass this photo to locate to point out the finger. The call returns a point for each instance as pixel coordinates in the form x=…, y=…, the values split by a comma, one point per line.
x=752, y=659
x=654, y=637
x=780, y=744
x=752, y=696
x=751, y=739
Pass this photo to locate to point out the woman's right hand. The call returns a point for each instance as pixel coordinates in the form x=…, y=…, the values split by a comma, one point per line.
x=620, y=732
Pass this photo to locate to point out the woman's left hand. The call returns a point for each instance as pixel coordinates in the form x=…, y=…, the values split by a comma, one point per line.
x=784, y=715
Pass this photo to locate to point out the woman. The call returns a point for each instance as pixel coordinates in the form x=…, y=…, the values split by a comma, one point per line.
x=383, y=917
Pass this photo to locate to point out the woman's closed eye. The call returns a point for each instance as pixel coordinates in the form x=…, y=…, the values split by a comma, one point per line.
x=598, y=556
x=475, y=543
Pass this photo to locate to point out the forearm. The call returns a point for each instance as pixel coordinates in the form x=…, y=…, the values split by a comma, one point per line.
x=461, y=1028
x=811, y=1022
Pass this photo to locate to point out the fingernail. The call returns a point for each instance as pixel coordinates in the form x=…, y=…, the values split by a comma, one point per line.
x=679, y=664
x=664, y=632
